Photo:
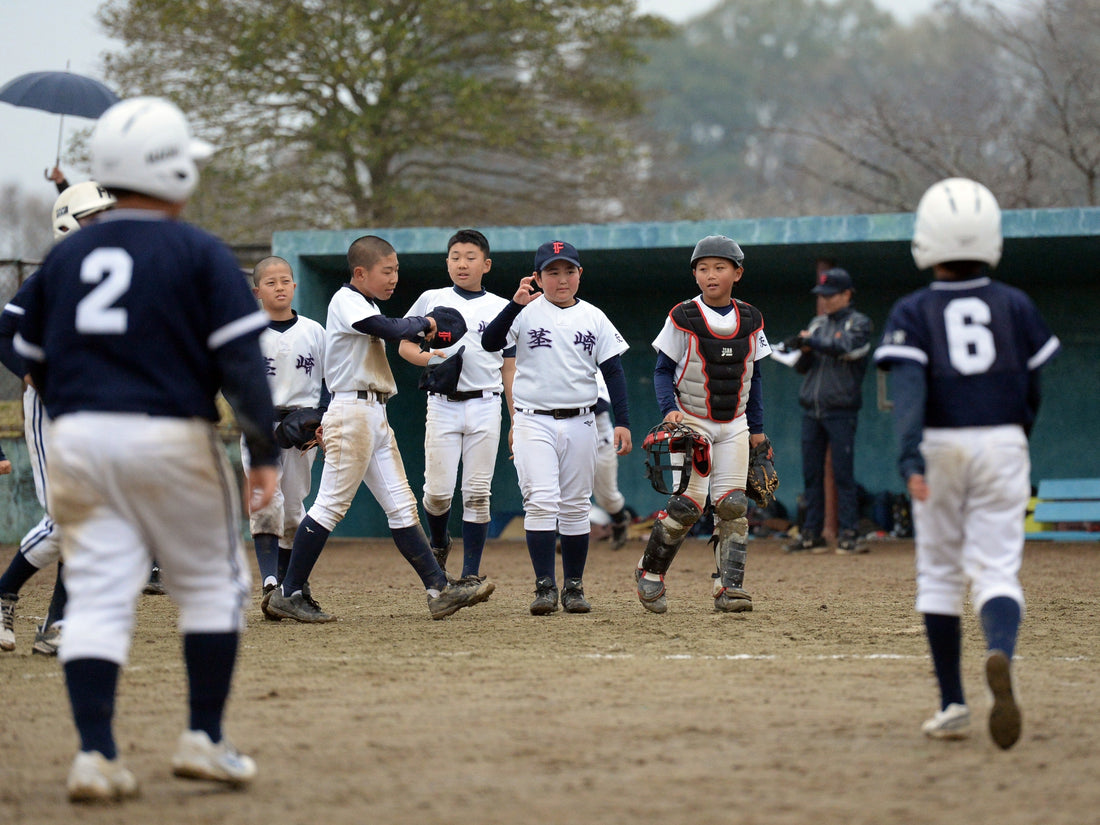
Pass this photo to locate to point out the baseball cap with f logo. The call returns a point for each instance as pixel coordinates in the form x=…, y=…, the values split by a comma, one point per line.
x=556, y=251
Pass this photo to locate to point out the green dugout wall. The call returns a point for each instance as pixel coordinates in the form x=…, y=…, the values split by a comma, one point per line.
x=637, y=272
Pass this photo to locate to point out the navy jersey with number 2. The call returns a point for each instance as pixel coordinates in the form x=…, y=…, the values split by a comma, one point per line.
x=129, y=315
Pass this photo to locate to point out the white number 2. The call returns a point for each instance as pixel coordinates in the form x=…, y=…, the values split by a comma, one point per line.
x=112, y=269
x=970, y=345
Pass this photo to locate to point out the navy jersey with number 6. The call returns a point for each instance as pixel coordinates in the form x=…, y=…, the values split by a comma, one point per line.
x=980, y=342
x=137, y=313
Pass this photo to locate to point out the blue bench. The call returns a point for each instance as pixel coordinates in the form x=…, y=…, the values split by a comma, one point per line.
x=1069, y=501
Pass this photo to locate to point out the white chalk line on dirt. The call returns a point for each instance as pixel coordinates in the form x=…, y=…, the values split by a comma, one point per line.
x=671, y=657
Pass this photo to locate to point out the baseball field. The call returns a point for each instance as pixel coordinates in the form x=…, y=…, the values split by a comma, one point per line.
x=806, y=710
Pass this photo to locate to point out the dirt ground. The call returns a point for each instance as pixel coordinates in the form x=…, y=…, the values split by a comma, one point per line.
x=805, y=710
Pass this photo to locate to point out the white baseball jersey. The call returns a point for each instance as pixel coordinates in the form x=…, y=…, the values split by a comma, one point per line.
x=558, y=353
x=730, y=439
x=294, y=355
x=354, y=361
x=359, y=444
x=480, y=369
x=468, y=430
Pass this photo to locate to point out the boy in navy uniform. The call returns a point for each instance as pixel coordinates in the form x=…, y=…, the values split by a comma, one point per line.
x=131, y=327
x=964, y=355
x=41, y=546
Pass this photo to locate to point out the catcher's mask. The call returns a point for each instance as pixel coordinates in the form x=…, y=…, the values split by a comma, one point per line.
x=672, y=450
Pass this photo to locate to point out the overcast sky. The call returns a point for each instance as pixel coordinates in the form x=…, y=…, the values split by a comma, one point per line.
x=44, y=36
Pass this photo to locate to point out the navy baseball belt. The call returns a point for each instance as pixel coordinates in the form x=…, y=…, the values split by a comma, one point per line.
x=465, y=395
x=569, y=413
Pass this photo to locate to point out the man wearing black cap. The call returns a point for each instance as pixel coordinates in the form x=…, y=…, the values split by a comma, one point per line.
x=835, y=349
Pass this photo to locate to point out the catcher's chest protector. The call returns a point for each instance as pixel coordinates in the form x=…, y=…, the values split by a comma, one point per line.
x=715, y=381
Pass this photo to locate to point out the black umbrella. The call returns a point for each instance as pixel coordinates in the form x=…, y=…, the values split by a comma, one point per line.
x=62, y=93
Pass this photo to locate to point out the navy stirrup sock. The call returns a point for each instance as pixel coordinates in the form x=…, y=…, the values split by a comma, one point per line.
x=413, y=545
x=92, y=684
x=1001, y=622
x=945, y=643
x=60, y=598
x=17, y=574
x=210, y=658
x=574, y=554
x=309, y=541
x=473, y=544
x=267, y=555
x=542, y=546
x=438, y=528
x=284, y=563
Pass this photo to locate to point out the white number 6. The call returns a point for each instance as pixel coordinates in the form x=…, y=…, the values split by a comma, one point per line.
x=112, y=269
x=970, y=345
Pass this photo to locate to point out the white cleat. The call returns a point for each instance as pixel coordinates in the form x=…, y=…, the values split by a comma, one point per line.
x=94, y=778
x=199, y=758
x=953, y=722
x=7, y=622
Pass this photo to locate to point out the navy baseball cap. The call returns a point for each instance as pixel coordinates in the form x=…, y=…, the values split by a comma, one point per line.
x=556, y=251
x=832, y=281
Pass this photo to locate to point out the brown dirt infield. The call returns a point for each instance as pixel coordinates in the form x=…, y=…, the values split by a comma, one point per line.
x=806, y=710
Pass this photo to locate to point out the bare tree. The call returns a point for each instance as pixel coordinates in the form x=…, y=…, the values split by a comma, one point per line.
x=1052, y=56
x=25, y=231
x=1012, y=99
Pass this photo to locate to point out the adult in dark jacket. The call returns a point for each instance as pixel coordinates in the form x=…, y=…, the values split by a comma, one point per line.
x=835, y=349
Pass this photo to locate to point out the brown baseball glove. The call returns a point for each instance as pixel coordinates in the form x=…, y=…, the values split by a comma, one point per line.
x=763, y=479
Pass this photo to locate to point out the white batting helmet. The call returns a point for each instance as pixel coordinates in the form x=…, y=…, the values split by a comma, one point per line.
x=958, y=219
x=144, y=144
x=79, y=201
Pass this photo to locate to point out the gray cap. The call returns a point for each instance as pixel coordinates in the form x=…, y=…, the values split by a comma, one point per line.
x=718, y=246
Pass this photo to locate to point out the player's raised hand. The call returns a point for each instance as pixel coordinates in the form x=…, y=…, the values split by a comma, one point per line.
x=527, y=291
x=260, y=487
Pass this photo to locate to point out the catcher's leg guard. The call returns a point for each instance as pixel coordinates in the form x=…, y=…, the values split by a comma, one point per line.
x=668, y=534
x=730, y=553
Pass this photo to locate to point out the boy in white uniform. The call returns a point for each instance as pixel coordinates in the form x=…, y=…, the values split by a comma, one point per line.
x=294, y=352
x=561, y=342
x=359, y=444
x=605, y=486
x=707, y=379
x=463, y=423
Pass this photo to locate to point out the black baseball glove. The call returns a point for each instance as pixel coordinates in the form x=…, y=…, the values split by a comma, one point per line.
x=299, y=428
x=442, y=376
x=450, y=326
x=762, y=479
